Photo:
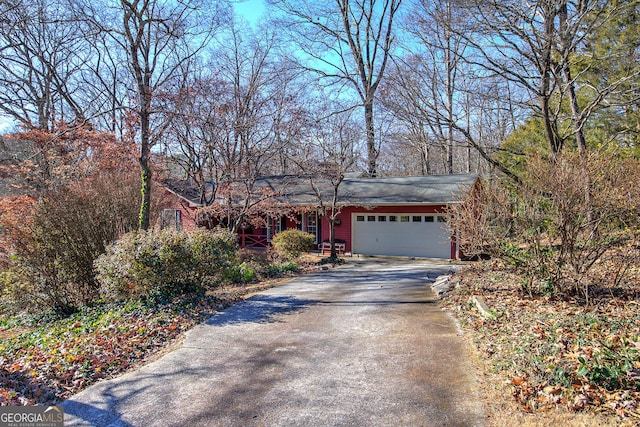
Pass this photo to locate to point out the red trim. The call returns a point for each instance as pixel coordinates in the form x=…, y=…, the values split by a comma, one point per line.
x=253, y=240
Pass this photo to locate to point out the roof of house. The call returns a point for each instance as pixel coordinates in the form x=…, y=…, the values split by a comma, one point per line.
x=412, y=190
x=186, y=190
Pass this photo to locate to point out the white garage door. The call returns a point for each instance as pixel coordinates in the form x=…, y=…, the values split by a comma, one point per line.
x=418, y=235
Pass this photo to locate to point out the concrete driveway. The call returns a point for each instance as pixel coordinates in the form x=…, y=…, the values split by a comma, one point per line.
x=365, y=344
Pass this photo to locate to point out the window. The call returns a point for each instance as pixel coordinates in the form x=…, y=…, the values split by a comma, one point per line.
x=417, y=218
x=170, y=218
x=312, y=224
x=404, y=218
x=371, y=218
x=274, y=226
x=393, y=218
x=429, y=219
x=382, y=218
x=360, y=218
x=442, y=219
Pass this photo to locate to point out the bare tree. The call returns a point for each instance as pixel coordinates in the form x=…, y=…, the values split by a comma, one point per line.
x=544, y=49
x=432, y=25
x=233, y=127
x=196, y=131
x=105, y=81
x=330, y=155
x=41, y=57
x=434, y=94
x=161, y=39
x=348, y=43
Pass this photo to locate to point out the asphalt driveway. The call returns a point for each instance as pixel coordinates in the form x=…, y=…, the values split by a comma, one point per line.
x=365, y=344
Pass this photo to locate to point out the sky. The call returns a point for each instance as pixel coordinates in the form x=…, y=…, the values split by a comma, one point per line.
x=251, y=10
x=5, y=125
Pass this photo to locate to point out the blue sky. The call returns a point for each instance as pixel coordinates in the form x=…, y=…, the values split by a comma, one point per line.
x=5, y=125
x=251, y=10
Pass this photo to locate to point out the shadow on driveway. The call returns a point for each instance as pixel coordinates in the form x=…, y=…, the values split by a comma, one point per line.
x=364, y=344
x=259, y=309
x=107, y=406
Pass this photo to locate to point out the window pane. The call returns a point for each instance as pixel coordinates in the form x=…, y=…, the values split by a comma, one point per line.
x=429, y=218
x=312, y=224
x=371, y=218
x=393, y=218
x=417, y=219
x=442, y=219
x=404, y=218
x=382, y=218
x=360, y=218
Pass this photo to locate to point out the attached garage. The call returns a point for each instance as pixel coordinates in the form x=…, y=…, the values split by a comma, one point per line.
x=401, y=234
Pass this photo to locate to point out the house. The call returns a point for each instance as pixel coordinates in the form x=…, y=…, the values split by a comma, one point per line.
x=395, y=216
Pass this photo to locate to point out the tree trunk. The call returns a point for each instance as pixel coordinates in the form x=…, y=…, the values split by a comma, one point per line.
x=372, y=152
x=145, y=202
x=424, y=154
x=575, y=108
x=450, y=63
x=555, y=144
x=145, y=168
x=145, y=155
x=332, y=237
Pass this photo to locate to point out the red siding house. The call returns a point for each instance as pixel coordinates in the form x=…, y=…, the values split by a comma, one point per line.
x=394, y=216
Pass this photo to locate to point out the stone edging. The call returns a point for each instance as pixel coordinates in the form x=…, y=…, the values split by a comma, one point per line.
x=443, y=284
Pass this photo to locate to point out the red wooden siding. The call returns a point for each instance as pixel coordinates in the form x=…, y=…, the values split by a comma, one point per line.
x=343, y=231
x=187, y=213
x=291, y=223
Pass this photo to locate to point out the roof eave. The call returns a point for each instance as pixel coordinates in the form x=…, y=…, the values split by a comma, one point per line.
x=192, y=204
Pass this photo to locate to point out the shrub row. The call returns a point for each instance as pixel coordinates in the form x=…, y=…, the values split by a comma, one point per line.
x=80, y=268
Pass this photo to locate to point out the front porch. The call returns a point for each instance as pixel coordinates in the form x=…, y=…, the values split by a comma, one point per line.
x=259, y=238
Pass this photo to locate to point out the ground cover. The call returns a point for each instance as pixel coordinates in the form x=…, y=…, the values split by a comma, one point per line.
x=45, y=360
x=554, y=357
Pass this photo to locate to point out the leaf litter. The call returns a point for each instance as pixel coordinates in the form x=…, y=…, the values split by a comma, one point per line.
x=555, y=354
x=48, y=362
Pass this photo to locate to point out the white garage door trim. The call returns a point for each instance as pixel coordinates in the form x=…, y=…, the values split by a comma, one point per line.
x=401, y=234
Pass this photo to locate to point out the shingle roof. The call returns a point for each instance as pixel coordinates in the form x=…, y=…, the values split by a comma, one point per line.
x=433, y=189
x=413, y=190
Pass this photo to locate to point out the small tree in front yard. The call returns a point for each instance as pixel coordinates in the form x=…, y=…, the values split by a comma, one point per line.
x=331, y=156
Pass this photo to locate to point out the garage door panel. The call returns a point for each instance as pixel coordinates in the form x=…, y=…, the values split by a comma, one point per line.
x=402, y=237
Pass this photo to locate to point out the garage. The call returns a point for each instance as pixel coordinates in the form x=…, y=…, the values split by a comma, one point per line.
x=401, y=234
